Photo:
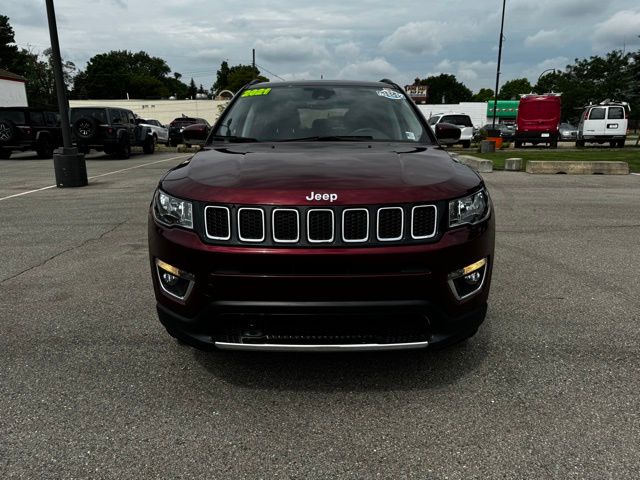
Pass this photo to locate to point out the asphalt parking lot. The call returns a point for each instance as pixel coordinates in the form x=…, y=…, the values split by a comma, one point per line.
x=91, y=386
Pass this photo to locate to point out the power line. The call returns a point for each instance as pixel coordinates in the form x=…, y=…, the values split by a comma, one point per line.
x=270, y=73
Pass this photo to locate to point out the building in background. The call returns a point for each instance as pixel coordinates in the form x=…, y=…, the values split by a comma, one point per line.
x=506, y=111
x=418, y=93
x=13, y=92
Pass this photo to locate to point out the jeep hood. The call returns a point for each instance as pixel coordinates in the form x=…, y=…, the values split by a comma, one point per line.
x=287, y=173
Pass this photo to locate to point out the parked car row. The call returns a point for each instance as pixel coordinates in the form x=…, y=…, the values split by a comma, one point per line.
x=109, y=129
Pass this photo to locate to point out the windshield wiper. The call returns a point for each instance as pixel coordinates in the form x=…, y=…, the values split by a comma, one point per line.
x=233, y=139
x=330, y=138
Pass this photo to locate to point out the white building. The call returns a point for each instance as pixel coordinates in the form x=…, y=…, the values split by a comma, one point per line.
x=12, y=90
x=162, y=110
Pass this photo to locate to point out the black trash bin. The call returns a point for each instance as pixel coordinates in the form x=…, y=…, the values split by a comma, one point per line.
x=70, y=168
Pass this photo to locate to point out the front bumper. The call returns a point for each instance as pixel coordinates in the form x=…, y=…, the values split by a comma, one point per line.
x=377, y=298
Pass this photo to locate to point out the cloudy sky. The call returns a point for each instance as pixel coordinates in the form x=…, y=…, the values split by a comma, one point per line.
x=347, y=39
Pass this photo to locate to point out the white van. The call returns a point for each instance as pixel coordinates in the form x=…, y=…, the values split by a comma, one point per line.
x=604, y=122
x=460, y=120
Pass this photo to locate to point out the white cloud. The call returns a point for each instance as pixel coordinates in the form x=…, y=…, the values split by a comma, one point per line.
x=348, y=50
x=421, y=37
x=291, y=49
x=620, y=29
x=369, y=70
x=543, y=38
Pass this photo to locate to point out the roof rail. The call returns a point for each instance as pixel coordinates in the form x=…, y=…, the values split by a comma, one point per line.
x=389, y=82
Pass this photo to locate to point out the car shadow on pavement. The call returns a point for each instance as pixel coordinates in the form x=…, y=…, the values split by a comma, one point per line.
x=365, y=371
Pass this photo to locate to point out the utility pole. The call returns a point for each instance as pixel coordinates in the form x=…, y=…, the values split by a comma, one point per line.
x=495, y=94
x=69, y=166
x=253, y=63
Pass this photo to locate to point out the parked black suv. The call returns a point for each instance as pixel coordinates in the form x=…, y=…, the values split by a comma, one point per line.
x=176, y=127
x=23, y=128
x=113, y=130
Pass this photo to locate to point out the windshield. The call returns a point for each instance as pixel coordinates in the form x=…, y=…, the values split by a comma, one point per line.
x=462, y=120
x=331, y=112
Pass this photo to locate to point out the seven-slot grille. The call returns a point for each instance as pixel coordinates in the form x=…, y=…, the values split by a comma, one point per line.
x=309, y=226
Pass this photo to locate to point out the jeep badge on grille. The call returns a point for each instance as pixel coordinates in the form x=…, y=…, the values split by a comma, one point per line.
x=332, y=197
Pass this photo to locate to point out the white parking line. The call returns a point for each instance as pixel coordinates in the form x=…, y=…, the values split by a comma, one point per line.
x=94, y=176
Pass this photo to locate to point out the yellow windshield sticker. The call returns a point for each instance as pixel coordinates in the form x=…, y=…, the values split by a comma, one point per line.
x=256, y=92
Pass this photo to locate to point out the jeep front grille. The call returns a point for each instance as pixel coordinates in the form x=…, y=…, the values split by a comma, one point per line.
x=320, y=226
x=355, y=225
x=251, y=224
x=217, y=223
x=285, y=225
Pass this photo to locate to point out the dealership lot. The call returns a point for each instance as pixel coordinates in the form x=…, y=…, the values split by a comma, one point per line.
x=91, y=386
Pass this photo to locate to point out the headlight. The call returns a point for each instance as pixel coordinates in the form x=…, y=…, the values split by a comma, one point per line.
x=469, y=210
x=172, y=211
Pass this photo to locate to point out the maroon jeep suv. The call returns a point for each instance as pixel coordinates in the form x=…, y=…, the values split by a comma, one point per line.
x=321, y=215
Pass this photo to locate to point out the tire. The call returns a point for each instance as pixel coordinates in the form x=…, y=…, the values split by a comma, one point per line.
x=5, y=154
x=518, y=144
x=85, y=128
x=466, y=143
x=554, y=144
x=188, y=145
x=173, y=143
x=8, y=132
x=621, y=143
x=613, y=144
x=579, y=143
x=45, y=147
x=109, y=150
x=123, y=150
x=149, y=145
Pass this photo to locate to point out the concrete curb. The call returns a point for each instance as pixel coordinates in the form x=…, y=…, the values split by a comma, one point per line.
x=478, y=164
x=577, y=168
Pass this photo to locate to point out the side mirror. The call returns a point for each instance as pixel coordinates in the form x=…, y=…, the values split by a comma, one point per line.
x=446, y=131
x=195, y=134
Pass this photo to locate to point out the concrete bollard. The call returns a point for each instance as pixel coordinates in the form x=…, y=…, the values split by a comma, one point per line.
x=513, y=164
x=487, y=146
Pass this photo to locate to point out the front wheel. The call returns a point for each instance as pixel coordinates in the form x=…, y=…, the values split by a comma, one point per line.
x=124, y=149
x=466, y=143
x=149, y=146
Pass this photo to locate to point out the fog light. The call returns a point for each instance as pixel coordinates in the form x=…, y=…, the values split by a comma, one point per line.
x=468, y=280
x=174, y=282
x=169, y=279
x=472, y=278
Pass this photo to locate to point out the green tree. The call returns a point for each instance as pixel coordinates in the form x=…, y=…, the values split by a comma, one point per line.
x=118, y=73
x=8, y=49
x=512, y=89
x=483, y=95
x=594, y=79
x=222, y=78
x=445, y=88
x=236, y=77
x=193, y=90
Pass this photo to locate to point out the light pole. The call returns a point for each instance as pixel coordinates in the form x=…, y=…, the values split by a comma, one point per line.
x=495, y=94
x=541, y=75
x=69, y=166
